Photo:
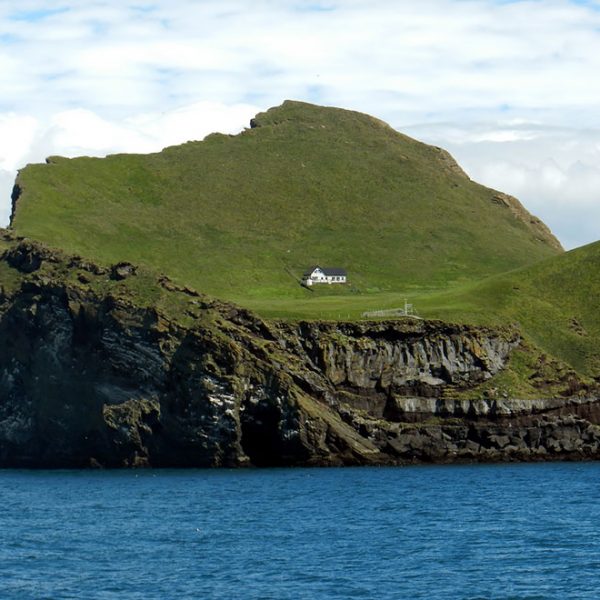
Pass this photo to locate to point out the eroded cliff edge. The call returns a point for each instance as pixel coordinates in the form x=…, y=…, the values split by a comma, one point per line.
x=112, y=366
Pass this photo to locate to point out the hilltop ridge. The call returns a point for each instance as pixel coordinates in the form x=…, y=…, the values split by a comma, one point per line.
x=241, y=216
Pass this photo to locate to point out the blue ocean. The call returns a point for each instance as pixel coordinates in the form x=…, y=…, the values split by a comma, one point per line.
x=458, y=532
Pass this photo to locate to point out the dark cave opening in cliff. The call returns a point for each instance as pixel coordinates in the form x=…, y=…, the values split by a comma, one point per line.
x=260, y=436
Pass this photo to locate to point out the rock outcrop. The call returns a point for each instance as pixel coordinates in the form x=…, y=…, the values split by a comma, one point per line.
x=409, y=356
x=101, y=368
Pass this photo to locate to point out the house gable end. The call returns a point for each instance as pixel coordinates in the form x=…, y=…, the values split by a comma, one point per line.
x=313, y=271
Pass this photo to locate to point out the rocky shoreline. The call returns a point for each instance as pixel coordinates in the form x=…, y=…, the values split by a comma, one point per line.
x=90, y=376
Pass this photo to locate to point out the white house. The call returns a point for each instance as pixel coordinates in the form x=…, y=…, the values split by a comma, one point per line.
x=318, y=274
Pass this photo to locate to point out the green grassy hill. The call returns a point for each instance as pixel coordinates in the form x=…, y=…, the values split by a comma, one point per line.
x=241, y=217
x=556, y=302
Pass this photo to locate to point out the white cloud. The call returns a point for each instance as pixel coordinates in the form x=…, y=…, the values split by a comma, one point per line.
x=17, y=134
x=82, y=132
x=508, y=86
x=193, y=122
x=6, y=184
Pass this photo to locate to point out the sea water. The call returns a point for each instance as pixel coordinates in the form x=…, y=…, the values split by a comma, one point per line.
x=458, y=532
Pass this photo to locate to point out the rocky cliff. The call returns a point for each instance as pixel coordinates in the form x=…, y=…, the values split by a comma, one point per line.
x=113, y=366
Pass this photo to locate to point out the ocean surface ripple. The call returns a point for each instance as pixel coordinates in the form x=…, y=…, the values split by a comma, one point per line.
x=499, y=532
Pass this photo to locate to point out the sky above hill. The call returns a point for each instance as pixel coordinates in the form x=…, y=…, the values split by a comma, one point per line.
x=511, y=88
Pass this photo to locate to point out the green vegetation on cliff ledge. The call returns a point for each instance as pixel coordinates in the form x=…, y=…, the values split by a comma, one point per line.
x=241, y=217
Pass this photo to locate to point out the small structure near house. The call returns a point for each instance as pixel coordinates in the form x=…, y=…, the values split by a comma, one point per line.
x=328, y=275
x=407, y=311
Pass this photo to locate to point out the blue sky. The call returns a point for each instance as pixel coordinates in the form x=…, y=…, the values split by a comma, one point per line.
x=510, y=88
x=36, y=14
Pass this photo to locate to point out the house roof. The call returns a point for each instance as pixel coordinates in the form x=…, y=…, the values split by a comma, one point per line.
x=329, y=271
x=311, y=270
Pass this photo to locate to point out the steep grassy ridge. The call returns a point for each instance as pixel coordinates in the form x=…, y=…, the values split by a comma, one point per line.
x=242, y=216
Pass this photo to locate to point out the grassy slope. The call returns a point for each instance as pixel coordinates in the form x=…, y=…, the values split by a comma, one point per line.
x=556, y=302
x=241, y=217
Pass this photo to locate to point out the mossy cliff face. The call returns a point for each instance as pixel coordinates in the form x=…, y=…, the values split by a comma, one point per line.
x=115, y=367
x=90, y=377
x=86, y=380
